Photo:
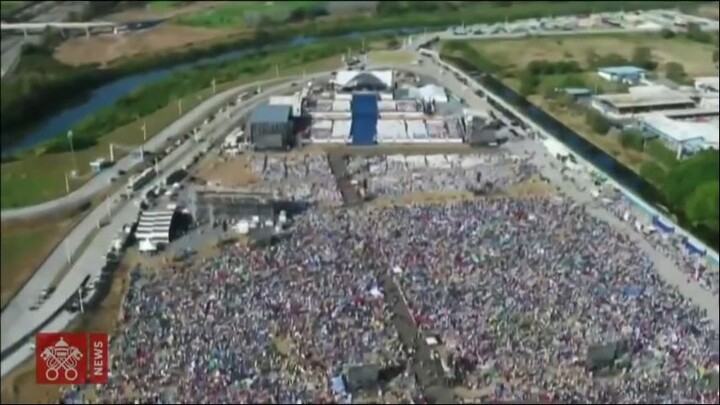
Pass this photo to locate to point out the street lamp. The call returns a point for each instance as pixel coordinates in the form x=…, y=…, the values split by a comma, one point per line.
x=72, y=149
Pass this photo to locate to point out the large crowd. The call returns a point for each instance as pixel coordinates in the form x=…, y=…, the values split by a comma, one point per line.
x=672, y=245
x=520, y=288
x=300, y=177
x=402, y=174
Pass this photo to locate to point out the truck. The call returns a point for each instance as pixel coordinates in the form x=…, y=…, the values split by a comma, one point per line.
x=139, y=181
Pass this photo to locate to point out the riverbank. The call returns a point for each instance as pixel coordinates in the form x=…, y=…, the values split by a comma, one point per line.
x=35, y=95
x=39, y=175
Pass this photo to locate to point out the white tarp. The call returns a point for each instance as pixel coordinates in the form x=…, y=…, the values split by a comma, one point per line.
x=341, y=129
x=341, y=106
x=417, y=129
x=391, y=130
x=386, y=105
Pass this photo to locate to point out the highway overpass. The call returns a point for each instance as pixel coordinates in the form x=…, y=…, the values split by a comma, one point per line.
x=38, y=27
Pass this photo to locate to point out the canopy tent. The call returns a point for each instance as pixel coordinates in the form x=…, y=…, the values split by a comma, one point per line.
x=662, y=225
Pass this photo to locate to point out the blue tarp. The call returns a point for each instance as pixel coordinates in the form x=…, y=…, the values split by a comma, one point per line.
x=693, y=246
x=338, y=386
x=661, y=225
x=364, y=108
x=631, y=291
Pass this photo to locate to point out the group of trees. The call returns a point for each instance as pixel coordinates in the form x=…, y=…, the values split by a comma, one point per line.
x=691, y=187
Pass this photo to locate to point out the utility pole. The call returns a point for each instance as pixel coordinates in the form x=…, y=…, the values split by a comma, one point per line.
x=72, y=149
x=67, y=252
x=143, y=128
x=80, y=298
x=213, y=85
x=67, y=184
x=277, y=71
x=179, y=107
x=112, y=153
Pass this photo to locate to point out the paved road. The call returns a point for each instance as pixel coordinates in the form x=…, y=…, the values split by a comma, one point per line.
x=18, y=321
x=102, y=181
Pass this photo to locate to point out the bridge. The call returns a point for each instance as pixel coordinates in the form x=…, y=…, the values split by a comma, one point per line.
x=37, y=27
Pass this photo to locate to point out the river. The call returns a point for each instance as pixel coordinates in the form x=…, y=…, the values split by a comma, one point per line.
x=106, y=95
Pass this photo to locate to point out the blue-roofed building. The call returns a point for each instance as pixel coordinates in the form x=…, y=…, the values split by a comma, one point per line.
x=623, y=74
x=271, y=127
x=363, y=129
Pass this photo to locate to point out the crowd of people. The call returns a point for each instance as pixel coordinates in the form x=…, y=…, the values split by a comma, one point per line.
x=403, y=174
x=672, y=245
x=300, y=177
x=519, y=288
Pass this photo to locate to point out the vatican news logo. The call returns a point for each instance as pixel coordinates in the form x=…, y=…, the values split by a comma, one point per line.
x=71, y=358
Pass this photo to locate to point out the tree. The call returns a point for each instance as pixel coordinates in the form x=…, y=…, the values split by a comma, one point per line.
x=632, y=140
x=528, y=83
x=642, y=57
x=653, y=172
x=667, y=33
x=689, y=174
x=695, y=33
x=702, y=206
x=597, y=122
x=392, y=43
x=675, y=72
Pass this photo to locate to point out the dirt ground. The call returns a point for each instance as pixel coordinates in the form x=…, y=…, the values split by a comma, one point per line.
x=23, y=247
x=709, y=11
x=104, y=49
x=233, y=172
x=19, y=386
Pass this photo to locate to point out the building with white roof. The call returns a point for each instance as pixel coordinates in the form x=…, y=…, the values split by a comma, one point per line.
x=707, y=85
x=433, y=93
x=686, y=137
x=640, y=100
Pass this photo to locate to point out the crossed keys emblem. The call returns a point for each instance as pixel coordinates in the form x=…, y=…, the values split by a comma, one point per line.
x=63, y=357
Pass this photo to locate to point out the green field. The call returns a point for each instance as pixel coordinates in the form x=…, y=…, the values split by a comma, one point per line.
x=6, y=6
x=241, y=13
x=165, y=5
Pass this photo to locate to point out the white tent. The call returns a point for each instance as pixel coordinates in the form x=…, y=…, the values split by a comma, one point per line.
x=147, y=246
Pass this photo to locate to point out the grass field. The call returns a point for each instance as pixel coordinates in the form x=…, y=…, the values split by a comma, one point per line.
x=390, y=57
x=162, y=6
x=23, y=247
x=694, y=56
x=6, y=6
x=238, y=14
x=37, y=178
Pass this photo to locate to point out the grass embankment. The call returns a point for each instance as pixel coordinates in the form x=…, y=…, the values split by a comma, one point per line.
x=23, y=247
x=39, y=176
x=246, y=13
x=585, y=50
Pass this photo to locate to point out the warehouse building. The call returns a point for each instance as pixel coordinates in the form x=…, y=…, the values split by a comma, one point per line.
x=622, y=74
x=641, y=100
x=685, y=137
x=271, y=127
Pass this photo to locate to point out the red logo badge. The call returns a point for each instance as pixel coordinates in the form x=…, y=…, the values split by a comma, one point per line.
x=71, y=358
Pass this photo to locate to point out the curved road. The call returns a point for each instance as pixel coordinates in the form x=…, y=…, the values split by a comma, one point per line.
x=18, y=321
x=101, y=181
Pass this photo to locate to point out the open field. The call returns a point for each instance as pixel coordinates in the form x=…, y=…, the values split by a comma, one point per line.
x=161, y=9
x=709, y=10
x=243, y=13
x=34, y=179
x=390, y=57
x=104, y=49
x=694, y=56
x=6, y=6
x=19, y=386
x=24, y=246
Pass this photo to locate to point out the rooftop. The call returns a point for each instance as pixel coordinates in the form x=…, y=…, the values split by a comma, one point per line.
x=271, y=114
x=622, y=70
x=685, y=131
x=646, y=98
x=348, y=77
